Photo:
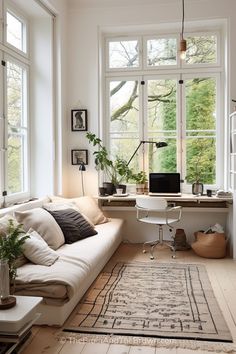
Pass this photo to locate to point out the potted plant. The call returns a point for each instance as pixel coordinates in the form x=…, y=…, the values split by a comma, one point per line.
x=11, y=244
x=116, y=171
x=194, y=176
x=140, y=178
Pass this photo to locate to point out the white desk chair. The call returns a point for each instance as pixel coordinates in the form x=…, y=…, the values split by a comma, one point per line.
x=155, y=210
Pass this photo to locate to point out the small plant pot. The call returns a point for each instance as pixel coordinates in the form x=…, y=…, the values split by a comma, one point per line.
x=109, y=188
x=140, y=188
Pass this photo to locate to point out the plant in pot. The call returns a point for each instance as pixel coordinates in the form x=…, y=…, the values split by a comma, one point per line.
x=140, y=178
x=11, y=244
x=116, y=171
x=194, y=176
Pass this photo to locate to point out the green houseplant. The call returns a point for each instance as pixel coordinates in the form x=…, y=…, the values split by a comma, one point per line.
x=140, y=178
x=11, y=245
x=115, y=170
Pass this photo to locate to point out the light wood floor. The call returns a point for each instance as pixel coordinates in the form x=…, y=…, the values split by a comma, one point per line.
x=222, y=274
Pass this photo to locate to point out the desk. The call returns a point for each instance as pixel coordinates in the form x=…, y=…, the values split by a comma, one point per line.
x=186, y=201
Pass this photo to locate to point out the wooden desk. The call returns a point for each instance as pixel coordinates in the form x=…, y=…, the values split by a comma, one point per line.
x=186, y=200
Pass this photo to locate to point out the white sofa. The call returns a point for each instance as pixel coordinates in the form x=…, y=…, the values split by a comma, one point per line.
x=66, y=281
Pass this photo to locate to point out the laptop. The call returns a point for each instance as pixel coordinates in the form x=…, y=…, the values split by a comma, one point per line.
x=164, y=184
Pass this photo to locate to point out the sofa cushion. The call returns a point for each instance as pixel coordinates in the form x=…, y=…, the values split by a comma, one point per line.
x=38, y=251
x=87, y=206
x=42, y=221
x=73, y=225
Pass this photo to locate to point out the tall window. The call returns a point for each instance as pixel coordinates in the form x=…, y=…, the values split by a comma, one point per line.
x=14, y=157
x=152, y=95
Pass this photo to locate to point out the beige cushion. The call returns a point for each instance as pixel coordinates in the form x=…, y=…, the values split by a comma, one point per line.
x=87, y=206
x=38, y=251
x=210, y=245
x=43, y=222
x=4, y=224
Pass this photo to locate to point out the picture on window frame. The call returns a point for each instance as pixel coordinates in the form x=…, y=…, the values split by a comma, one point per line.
x=79, y=120
x=79, y=157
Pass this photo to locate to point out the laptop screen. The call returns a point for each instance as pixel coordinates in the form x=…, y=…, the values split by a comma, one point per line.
x=164, y=182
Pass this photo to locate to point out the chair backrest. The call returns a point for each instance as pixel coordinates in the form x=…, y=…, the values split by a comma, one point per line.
x=151, y=203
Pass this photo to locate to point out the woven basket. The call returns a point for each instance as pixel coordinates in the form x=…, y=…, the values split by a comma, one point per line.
x=210, y=245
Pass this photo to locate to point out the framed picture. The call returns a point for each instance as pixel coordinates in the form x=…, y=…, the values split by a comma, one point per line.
x=79, y=120
x=79, y=157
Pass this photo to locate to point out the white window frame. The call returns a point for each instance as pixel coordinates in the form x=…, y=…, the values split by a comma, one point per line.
x=26, y=168
x=182, y=71
x=9, y=7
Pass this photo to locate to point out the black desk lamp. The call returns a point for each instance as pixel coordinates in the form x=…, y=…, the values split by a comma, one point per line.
x=82, y=168
x=158, y=145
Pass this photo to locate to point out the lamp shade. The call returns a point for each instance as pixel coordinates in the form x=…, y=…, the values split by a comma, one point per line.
x=82, y=167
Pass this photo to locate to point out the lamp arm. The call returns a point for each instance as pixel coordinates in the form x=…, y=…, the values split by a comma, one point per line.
x=141, y=142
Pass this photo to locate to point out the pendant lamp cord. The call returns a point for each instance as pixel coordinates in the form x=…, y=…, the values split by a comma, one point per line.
x=182, y=33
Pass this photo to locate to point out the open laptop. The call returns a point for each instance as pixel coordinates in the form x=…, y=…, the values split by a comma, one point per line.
x=164, y=184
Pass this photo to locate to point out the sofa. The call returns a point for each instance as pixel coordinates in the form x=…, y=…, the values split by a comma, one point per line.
x=73, y=265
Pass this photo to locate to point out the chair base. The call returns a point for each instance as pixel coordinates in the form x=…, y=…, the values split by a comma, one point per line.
x=154, y=243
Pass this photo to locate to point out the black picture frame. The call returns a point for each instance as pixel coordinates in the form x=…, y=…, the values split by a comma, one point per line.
x=79, y=157
x=79, y=120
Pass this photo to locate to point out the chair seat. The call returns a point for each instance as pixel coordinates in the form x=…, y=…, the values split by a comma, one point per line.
x=157, y=220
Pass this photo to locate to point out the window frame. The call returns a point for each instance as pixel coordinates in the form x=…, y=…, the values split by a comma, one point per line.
x=8, y=6
x=26, y=168
x=183, y=71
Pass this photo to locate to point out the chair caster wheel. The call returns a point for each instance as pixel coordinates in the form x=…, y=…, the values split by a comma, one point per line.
x=151, y=257
x=144, y=251
x=174, y=256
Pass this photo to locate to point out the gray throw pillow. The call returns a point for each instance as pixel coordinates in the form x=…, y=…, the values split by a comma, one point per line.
x=73, y=225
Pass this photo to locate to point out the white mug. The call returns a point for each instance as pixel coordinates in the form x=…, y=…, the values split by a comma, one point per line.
x=119, y=190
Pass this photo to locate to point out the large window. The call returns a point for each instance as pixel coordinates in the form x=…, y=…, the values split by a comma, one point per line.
x=14, y=157
x=153, y=95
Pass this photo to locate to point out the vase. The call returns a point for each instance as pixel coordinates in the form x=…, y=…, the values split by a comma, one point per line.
x=4, y=280
x=197, y=188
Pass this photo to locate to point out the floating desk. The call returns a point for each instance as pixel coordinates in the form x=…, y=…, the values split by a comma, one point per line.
x=186, y=201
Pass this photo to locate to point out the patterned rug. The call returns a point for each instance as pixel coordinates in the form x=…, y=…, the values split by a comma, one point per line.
x=153, y=300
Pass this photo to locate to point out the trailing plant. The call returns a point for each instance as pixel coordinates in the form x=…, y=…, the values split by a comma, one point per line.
x=11, y=245
x=117, y=170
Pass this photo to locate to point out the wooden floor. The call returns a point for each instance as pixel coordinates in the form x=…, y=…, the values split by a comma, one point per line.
x=222, y=274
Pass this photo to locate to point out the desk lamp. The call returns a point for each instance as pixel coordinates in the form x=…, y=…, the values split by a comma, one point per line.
x=158, y=145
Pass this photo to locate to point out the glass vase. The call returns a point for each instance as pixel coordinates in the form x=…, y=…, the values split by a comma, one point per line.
x=4, y=280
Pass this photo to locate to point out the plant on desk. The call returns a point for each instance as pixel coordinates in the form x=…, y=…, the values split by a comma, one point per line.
x=115, y=170
x=11, y=244
x=140, y=178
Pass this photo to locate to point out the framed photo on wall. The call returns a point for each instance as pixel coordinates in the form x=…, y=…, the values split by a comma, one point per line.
x=79, y=157
x=79, y=121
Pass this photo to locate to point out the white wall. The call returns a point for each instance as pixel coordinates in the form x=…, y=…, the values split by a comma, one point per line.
x=84, y=26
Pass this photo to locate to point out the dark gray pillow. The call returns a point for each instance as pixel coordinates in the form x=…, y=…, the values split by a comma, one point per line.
x=73, y=225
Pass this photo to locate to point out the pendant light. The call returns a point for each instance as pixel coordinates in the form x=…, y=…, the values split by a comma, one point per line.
x=183, y=42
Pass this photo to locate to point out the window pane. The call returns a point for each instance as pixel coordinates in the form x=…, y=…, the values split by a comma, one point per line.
x=161, y=51
x=163, y=159
x=123, y=54
x=14, y=31
x=16, y=149
x=201, y=160
x=201, y=130
x=201, y=50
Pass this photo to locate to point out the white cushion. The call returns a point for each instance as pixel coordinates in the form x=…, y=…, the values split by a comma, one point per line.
x=87, y=206
x=38, y=251
x=43, y=222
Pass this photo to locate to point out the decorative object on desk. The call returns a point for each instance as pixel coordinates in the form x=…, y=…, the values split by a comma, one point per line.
x=79, y=157
x=116, y=171
x=82, y=169
x=79, y=121
x=102, y=191
x=140, y=179
x=197, y=188
x=130, y=295
x=224, y=194
x=11, y=245
x=209, y=192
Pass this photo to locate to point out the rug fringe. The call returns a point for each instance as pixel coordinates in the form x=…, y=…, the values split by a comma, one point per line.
x=215, y=347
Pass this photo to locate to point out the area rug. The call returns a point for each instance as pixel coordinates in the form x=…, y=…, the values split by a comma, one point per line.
x=166, y=301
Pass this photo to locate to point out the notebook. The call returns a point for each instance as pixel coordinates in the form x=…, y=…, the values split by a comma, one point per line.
x=164, y=184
